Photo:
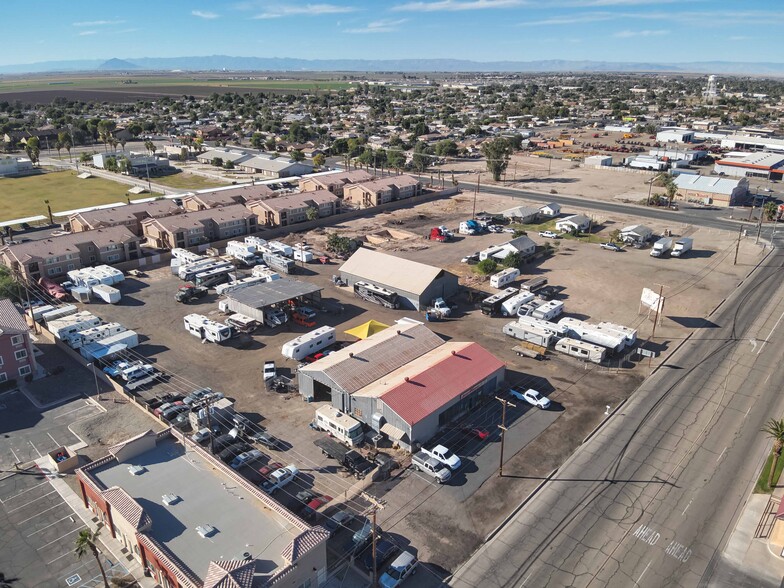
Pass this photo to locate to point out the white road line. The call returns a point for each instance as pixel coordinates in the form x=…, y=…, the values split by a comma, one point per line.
x=23, y=492
x=50, y=525
x=62, y=537
x=56, y=444
x=61, y=557
x=16, y=457
x=747, y=412
x=526, y=579
x=768, y=378
x=33, y=500
x=687, y=507
x=34, y=447
x=769, y=334
x=643, y=572
x=85, y=405
x=40, y=513
x=721, y=454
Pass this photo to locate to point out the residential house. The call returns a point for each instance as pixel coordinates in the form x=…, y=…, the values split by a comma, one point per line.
x=381, y=191
x=636, y=234
x=131, y=216
x=226, y=196
x=575, y=222
x=523, y=245
x=17, y=359
x=522, y=214
x=55, y=256
x=291, y=209
x=334, y=182
x=712, y=190
x=550, y=210
x=195, y=228
x=275, y=168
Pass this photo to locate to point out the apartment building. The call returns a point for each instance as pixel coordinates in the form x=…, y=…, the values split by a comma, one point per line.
x=130, y=216
x=196, y=228
x=17, y=359
x=55, y=256
x=335, y=182
x=288, y=210
x=381, y=191
x=226, y=197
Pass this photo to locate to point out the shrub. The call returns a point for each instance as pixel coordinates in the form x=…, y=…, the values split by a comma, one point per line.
x=486, y=266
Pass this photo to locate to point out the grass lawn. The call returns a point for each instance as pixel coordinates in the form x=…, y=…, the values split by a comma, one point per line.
x=762, y=482
x=188, y=181
x=23, y=197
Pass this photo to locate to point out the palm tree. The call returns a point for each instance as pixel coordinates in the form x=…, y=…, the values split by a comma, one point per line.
x=85, y=542
x=775, y=430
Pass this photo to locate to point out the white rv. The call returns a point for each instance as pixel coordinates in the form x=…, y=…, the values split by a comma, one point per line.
x=610, y=338
x=340, y=425
x=554, y=328
x=67, y=326
x=205, y=329
x=221, y=289
x=581, y=349
x=512, y=305
x=213, y=277
x=242, y=252
x=256, y=241
x=303, y=255
x=189, y=272
x=106, y=293
x=264, y=272
x=533, y=334
x=59, y=312
x=505, y=277
x=549, y=310
x=94, y=334
x=630, y=333
x=281, y=248
x=309, y=343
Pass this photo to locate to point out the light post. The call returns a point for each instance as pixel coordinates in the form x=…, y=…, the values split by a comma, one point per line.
x=95, y=375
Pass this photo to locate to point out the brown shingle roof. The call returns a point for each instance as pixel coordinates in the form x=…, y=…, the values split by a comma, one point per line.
x=68, y=243
x=304, y=543
x=121, y=214
x=196, y=219
x=11, y=322
x=317, y=197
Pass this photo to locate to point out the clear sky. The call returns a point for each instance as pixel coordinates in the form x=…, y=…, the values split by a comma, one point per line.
x=481, y=30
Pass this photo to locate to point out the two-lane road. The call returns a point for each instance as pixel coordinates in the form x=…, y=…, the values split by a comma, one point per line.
x=650, y=500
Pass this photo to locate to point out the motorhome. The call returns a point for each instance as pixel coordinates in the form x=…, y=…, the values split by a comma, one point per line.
x=245, y=253
x=511, y=306
x=207, y=330
x=94, y=334
x=309, y=343
x=221, y=289
x=504, y=277
x=213, y=277
x=491, y=305
x=303, y=255
x=256, y=242
x=609, y=338
x=265, y=273
x=534, y=284
x=279, y=263
x=554, y=328
x=581, y=349
x=242, y=323
x=376, y=294
x=275, y=317
x=341, y=426
x=281, y=248
x=188, y=272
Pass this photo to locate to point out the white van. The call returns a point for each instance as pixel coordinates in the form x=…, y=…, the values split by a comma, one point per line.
x=504, y=277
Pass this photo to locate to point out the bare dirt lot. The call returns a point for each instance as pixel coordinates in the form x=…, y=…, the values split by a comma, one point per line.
x=596, y=284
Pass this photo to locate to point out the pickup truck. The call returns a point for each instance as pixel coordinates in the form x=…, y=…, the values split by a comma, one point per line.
x=279, y=478
x=431, y=466
x=444, y=456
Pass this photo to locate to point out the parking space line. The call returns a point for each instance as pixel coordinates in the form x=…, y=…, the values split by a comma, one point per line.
x=40, y=513
x=50, y=525
x=34, y=447
x=33, y=500
x=56, y=444
x=16, y=457
x=23, y=492
x=61, y=557
x=62, y=537
x=85, y=405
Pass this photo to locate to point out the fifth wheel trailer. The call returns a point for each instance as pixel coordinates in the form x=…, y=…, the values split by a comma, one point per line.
x=309, y=343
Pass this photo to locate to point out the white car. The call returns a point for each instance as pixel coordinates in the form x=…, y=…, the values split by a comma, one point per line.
x=532, y=397
x=269, y=370
x=549, y=234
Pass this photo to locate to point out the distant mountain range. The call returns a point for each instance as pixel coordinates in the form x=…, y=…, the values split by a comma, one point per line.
x=229, y=63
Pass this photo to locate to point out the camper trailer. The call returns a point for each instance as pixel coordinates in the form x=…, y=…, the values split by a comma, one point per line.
x=339, y=425
x=281, y=248
x=534, y=284
x=511, y=306
x=491, y=305
x=65, y=327
x=94, y=334
x=58, y=312
x=279, y=263
x=207, y=330
x=532, y=334
x=309, y=343
x=221, y=289
x=245, y=253
x=581, y=349
x=106, y=293
x=549, y=310
x=504, y=277
x=242, y=323
x=189, y=272
x=609, y=338
x=555, y=329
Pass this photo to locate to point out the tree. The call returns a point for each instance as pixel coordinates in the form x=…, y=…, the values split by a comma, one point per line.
x=420, y=159
x=184, y=154
x=396, y=159
x=615, y=236
x=770, y=209
x=271, y=144
x=257, y=140
x=9, y=287
x=319, y=159
x=135, y=129
x=85, y=543
x=513, y=259
x=59, y=146
x=217, y=161
x=105, y=130
x=668, y=183
x=85, y=158
x=32, y=149
x=338, y=244
x=486, y=266
x=199, y=142
x=311, y=213
x=446, y=148
x=775, y=430
x=228, y=164
x=497, y=153
x=297, y=155
x=111, y=164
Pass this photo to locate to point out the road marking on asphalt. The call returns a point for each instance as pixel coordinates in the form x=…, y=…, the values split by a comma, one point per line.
x=747, y=412
x=753, y=345
x=33, y=500
x=647, y=535
x=16, y=457
x=526, y=579
x=643, y=572
x=72, y=410
x=49, y=525
x=62, y=537
x=768, y=378
x=678, y=551
x=56, y=444
x=769, y=334
x=34, y=447
x=721, y=454
x=23, y=492
x=687, y=507
x=40, y=513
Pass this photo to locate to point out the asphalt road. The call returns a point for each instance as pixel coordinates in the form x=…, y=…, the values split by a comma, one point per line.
x=652, y=498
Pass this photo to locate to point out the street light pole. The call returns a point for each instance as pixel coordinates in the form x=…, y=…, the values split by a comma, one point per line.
x=95, y=375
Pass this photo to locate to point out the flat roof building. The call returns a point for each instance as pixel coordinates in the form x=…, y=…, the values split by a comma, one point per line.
x=175, y=508
x=718, y=191
x=417, y=284
x=761, y=165
x=749, y=143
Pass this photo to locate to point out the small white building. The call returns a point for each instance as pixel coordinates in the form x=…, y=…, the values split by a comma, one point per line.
x=550, y=210
x=675, y=135
x=522, y=245
x=10, y=166
x=648, y=162
x=677, y=154
x=598, y=160
x=522, y=214
x=576, y=222
x=639, y=233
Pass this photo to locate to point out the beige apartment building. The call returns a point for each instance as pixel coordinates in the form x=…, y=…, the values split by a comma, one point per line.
x=130, y=216
x=196, y=228
x=288, y=210
x=336, y=182
x=381, y=191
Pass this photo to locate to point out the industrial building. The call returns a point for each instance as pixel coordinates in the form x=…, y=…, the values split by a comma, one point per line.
x=711, y=190
x=675, y=134
x=760, y=165
x=749, y=143
x=254, y=299
x=173, y=513
x=416, y=284
x=405, y=382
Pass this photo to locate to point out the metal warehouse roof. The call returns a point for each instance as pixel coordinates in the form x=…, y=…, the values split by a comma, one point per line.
x=706, y=184
x=274, y=292
x=365, y=361
x=422, y=387
x=390, y=271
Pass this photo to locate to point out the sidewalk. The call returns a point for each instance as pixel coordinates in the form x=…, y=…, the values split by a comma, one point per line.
x=118, y=553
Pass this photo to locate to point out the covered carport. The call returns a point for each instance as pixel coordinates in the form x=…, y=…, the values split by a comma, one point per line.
x=252, y=300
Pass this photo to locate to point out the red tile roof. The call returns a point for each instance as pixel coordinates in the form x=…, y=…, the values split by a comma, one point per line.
x=441, y=381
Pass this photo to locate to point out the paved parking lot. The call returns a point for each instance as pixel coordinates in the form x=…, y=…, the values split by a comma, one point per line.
x=38, y=530
x=29, y=433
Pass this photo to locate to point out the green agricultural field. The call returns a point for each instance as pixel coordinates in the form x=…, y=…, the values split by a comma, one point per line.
x=23, y=197
x=186, y=181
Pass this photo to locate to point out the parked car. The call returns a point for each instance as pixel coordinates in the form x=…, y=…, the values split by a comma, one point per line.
x=171, y=413
x=444, y=455
x=365, y=534
x=269, y=371
x=201, y=435
x=233, y=451
x=266, y=440
x=246, y=457
x=475, y=432
x=532, y=397
x=549, y=235
x=279, y=478
x=611, y=247
x=266, y=470
x=404, y=566
x=314, y=357
x=310, y=510
x=340, y=519
x=384, y=550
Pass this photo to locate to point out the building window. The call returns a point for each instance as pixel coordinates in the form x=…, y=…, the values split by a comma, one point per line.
x=24, y=370
x=114, y=257
x=71, y=267
x=53, y=271
x=3, y=377
x=358, y=412
x=20, y=354
x=16, y=340
x=92, y=259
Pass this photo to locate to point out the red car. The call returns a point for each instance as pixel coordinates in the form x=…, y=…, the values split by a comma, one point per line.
x=269, y=468
x=314, y=357
x=475, y=432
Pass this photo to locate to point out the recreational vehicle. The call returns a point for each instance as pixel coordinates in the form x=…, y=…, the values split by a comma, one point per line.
x=581, y=349
x=511, y=306
x=339, y=425
x=504, y=277
x=94, y=334
x=491, y=305
x=208, y=330
x=309, y=343
x=376, y=294
x=533, y=334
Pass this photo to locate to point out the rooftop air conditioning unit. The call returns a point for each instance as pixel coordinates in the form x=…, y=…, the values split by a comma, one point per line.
x=206, y=531
x=169, y=499
x=136, y=470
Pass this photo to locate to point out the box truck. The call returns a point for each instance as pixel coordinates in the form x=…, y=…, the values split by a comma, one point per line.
x=682, y=246
x=661, y=247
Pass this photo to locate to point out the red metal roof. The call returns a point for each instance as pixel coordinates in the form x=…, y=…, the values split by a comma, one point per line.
x=442, y=382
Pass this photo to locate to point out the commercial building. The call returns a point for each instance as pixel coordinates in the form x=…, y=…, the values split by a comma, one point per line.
x=11, y=166
x=334, y=182
x=416, y=284
x=130, y=216
x=749, y=143
x=226, y=196
x=139, y=164
x=599, y=160
x=382, y=190
x=275, y=168
x=291, y=209
x=760, y=165
x=255, y=299
x=17, y=358
x=192, y=522
x=718, y=191
x=404, y=382
x=649, y=162
x=675, y=134
x=55, y=256
x=196, y=228
x=674, y=154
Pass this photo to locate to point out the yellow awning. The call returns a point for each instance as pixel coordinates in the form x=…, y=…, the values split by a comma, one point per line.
x=367, y=329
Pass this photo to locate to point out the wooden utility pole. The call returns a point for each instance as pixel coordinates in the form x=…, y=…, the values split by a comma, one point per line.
x=737, y=245
x=375, y=566
x=504, y=402
x=476, y=192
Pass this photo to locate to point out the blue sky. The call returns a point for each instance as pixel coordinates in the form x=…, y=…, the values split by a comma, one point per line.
x=482, y=30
